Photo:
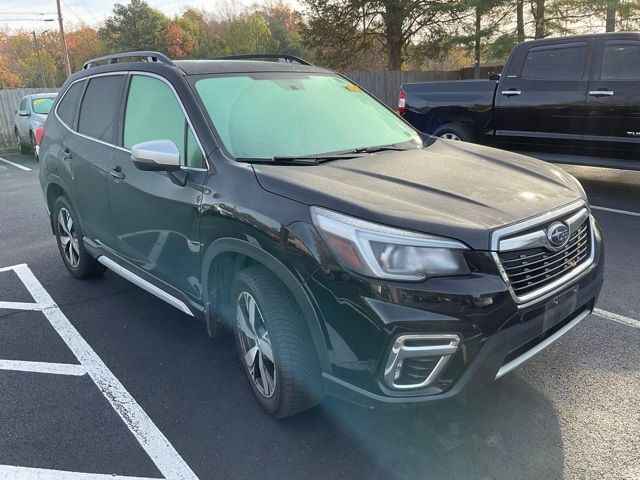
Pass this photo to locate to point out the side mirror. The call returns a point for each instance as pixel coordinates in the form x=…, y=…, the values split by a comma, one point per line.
x=494, y=76
x=156, y=155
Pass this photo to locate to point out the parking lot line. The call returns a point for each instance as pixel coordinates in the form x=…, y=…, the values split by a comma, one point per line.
x=631, y=322
x=27, y=473
x=14, y=164
x=43, y=367
x=615, y=210
x=19, y=306
x=156, y=445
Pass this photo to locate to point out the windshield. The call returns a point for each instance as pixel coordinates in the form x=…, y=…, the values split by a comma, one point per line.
x=292, y=114
x=42, y=105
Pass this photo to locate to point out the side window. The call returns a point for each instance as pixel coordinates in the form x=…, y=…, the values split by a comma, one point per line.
x=99, y=108
x=23, y=104
x=153, y=113
x=620, y=61
x=69, y=103
x=555, y=63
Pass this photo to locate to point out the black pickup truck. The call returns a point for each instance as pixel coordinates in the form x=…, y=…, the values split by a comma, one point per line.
x=568, y=95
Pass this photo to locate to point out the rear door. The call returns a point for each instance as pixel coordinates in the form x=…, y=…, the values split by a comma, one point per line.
x=613, y=114
x=22, y=119
x=541, y=98
x=156, y=220
x=87, y=152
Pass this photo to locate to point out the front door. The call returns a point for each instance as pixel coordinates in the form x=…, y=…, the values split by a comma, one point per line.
x=613, y=113
x=155, y=219
x=541, y=101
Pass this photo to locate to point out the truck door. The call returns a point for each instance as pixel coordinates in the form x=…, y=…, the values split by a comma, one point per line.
x=541, y=98
x=613, y=102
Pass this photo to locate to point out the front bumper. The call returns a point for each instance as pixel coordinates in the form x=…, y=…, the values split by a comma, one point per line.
x=497, y=334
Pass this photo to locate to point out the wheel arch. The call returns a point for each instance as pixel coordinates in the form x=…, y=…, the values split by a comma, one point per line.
x=55, y=188
x=234, y=254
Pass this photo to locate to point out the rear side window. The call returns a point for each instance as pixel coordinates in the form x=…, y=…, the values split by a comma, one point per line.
x=153, y=113
x=99, y=108
x=562, y=62
x=23, y=104
x=621, y=61
x=69, y=104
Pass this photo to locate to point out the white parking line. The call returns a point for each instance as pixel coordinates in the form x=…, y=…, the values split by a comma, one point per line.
x=43, y=367
x=14, y=164
x=631, y=322
x=166, y=458
x=615, y=210
x=26, y=473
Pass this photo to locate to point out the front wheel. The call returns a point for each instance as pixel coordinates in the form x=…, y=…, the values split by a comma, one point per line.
x=70, y=244
x=274, y=344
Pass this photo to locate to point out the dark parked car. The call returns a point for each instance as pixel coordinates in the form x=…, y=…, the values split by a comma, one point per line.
x=350, y=255
x=562, y=95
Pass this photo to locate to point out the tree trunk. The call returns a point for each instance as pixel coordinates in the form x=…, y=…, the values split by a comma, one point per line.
x=539, y=18
x=612, y=10
x=394, y=52
x=394, y=17
x=477, y=44
x=520, y=20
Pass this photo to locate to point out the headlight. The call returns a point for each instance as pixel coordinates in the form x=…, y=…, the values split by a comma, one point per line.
x=379, y=251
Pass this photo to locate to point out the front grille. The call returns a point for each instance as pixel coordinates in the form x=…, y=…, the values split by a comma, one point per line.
x=534, y=268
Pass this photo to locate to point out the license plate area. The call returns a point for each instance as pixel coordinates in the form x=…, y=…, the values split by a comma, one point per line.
x=559, y=308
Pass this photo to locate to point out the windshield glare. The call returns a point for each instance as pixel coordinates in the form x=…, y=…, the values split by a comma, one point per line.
x=42, y=105
x=292, y=114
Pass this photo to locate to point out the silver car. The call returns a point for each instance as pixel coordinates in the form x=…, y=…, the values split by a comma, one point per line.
x=31, y=114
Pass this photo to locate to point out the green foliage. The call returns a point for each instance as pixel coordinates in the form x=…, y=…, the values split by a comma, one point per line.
x=135, y=26
x=249, y=34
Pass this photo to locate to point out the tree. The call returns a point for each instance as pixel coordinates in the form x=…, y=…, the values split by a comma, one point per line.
x=135, y=26
x=83, y=44
x=180, y=43
x=249, y=33
x=391, y=23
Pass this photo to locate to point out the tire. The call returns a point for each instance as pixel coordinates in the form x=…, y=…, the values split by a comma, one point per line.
x=454, y=131
x=23, y=148
x=33, y=146
x=77, y=260
x=278, y=323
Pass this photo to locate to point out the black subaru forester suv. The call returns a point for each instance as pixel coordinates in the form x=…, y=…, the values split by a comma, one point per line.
x=350, y=254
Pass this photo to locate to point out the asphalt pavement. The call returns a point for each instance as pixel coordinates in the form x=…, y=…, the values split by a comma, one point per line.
x=99, y=379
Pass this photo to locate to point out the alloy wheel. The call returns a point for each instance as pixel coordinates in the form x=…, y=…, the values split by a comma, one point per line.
x=450, y=136
x=68, y=237
x=255, y=344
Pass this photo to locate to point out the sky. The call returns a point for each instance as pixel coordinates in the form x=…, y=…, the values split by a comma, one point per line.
x=24, y=15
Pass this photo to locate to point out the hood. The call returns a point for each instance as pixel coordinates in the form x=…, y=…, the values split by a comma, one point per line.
x=453, y=189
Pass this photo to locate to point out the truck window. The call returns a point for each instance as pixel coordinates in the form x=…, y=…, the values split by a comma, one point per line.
x=620, y=61
x=555, y=62
x=100, y=107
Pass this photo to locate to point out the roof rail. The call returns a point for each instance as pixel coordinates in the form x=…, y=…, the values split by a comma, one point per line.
x=277, y=57
x=148, y=56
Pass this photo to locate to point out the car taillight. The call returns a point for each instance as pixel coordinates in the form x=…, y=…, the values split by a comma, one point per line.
x=401, y=102
x=38, y=134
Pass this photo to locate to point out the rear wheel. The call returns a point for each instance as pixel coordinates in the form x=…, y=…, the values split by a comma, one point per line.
x=69, y=238
x=23, y=148
x=32, y=140
x=274, y=344
x=454, y=131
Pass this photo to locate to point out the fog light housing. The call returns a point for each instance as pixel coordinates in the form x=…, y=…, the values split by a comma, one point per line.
x=416, y=361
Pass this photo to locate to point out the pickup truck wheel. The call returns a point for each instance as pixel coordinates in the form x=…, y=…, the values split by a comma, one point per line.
x=454, y=131
x=69, y=238
x=274, y=344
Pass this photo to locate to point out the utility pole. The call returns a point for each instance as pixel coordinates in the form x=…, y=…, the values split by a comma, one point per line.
x=35, y=41
x=65, y=52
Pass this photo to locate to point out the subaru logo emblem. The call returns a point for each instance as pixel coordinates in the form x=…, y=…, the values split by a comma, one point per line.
x=558, y=234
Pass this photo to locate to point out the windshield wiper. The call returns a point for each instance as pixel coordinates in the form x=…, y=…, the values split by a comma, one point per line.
x=300, y=160
x=382, y=148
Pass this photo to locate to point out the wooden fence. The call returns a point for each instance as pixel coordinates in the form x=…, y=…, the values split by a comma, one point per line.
x=9, y=100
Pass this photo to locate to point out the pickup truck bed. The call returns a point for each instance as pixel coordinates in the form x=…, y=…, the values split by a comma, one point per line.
x=571, y=95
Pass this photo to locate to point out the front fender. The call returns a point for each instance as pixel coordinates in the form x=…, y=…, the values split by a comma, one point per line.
x=284, y=274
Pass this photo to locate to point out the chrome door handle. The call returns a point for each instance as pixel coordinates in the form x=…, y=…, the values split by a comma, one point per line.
x=510, y=93
x=117, y=173
x=601, y=93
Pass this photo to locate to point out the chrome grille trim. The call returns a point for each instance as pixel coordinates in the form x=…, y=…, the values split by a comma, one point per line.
x=579, y=220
